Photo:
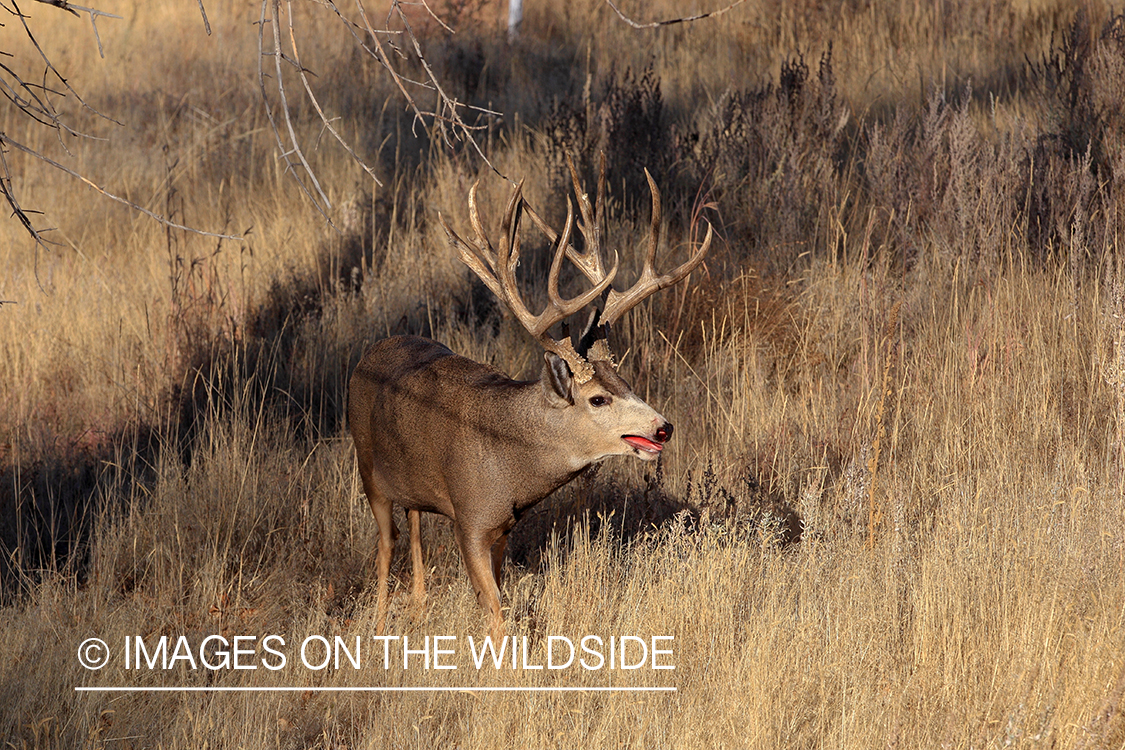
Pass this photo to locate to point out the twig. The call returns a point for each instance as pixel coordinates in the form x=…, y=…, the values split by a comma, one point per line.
x=34, y=101
x=685, y=19
x=316, y=104
x=206, y=23
x=31, y=152
x=94, y=13
x=18, y=211
x=447, y=102
x=50, y=67
x=446, y=117
x=293, y=148
x=386, y=61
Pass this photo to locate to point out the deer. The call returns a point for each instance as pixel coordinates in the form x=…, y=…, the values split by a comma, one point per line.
x=440, y=433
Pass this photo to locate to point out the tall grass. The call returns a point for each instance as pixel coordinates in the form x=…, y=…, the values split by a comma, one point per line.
x=892, y=511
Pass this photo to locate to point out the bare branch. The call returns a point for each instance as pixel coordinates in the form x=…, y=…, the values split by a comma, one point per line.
x=27, y=99
x=685, y=19
x=447, y=116
x=293, y=148
x=18, y=211
x=50, y=67
x=386, y=61
x=316, y=104
x=21, y=214
x=34, y=100
x=448, y=104
x=434, y=16
x=206, y=23
x=93, y=13
x=94, y=23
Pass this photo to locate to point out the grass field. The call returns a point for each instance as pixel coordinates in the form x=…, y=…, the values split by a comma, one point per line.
x=892, y=514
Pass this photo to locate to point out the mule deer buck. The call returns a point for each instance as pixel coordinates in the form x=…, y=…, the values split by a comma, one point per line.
x=440, y=433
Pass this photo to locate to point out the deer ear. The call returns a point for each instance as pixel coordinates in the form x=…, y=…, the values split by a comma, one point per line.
x=557, y=380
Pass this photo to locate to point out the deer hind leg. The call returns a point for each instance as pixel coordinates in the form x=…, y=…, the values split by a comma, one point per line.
x=499, y=547
x=418, y=572
x=388, y=532
x=476, y=550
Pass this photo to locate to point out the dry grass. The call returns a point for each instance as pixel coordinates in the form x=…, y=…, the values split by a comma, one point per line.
x=892, y=514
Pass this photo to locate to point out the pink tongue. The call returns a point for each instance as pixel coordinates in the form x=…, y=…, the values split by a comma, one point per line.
x=643, y=443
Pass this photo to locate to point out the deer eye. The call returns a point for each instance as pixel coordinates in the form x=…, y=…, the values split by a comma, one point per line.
x=600, y=400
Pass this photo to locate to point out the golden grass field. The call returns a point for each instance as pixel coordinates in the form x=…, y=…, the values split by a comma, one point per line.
x=892, y=514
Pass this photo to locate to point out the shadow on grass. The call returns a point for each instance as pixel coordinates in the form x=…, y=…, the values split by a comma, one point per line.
x=601, y=504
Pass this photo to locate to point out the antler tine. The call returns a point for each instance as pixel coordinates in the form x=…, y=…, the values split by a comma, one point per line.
x=484, y=247
x=565, y=308
x=508, y=257
x=558, y=308
x=618, y=303
x=480, y=258
x=557, y=255
x=657, y=213
x=497, y=269
x=600, y=201
x=590, y=261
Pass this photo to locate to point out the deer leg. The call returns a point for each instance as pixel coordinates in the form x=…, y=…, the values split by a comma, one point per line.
x=418, y=588
x=476, y=549
x=499, y=547
x=388, y=532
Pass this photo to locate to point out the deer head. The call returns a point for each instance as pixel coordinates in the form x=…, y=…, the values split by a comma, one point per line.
x=585, y=378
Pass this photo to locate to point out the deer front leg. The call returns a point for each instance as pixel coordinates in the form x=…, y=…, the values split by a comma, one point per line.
x=418, y=588
x=388, y=532
x=476, y=549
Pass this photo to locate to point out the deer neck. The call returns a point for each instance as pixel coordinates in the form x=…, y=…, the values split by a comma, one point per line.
x=552, y=450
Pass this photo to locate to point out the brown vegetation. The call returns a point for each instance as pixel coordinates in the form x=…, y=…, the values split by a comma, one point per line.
x=892, y=512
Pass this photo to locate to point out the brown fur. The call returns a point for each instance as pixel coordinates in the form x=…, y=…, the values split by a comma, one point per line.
x=440, y=433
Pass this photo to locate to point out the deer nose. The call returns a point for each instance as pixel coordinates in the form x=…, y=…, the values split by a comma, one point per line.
x=664, y=432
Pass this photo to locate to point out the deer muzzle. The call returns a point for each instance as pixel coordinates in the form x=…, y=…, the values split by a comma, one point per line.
x=653, y=445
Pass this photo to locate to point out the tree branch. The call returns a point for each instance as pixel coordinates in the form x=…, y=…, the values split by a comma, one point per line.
x=685, y=19
x=33, y=100
x=21, y=213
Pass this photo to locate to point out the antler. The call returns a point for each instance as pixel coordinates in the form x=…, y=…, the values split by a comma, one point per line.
x=649, y=283
x=590, y=262
x=497, y=269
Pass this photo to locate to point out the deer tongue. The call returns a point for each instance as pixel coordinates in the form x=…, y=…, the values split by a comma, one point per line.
x=643, y=444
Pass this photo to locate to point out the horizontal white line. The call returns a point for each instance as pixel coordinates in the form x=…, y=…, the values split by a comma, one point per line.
x=366, y=689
